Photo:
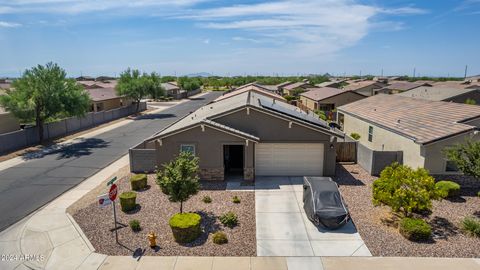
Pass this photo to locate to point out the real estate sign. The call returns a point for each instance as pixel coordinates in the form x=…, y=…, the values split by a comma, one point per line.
x=104, y=200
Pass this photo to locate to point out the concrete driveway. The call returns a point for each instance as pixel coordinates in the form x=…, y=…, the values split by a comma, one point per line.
x=284, y=230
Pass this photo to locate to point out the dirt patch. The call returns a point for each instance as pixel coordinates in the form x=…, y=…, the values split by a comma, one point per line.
x=155, y=210
x=383, y=239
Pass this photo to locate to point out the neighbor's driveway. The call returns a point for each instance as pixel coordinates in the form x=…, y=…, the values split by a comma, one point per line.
x=284, y=230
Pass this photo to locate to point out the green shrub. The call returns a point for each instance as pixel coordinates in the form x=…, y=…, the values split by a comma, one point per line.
x=236, y=199
x=447, y=189
x=138, y=181
x=135, y=225
x=128, y=201
x=355, y=136
x=471, y=226
x=185, y=227
x=405, y=190
x=478, y=194
x=229, y=219
x=220, y=238
x=207, y=199
x=415, y=229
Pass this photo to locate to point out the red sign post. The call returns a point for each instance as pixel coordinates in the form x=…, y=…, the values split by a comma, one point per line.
x=112, y=195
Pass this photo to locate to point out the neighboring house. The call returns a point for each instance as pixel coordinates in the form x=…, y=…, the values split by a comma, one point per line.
x=454, y=84
x=249, y=134
x=250, y=87
x=173, y=90
x=327, y=98
x=105, y=99
x=105, y=78
x=334, y=84
x=85, y=78
x=295, y=89
x=283, y=84
x=444, y=94
x=420, y=129
x=475, y=78
x=98, y=84
x=5, y=85
x=365, y=88
x=8, y=122
x=400, y=86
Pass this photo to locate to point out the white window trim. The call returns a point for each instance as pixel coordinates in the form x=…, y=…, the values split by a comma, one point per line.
x=188, y=144
x=370, y=134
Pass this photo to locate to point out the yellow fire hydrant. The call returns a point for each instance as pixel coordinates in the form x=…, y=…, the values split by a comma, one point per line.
x=152, y=238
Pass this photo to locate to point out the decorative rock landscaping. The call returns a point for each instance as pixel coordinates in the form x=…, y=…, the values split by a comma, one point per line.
x=376, y=225
x=154, y=210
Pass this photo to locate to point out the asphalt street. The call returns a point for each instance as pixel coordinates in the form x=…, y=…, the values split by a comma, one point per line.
x=43, y=177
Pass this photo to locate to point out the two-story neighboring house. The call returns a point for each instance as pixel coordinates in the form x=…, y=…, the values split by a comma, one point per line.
x=421, y=129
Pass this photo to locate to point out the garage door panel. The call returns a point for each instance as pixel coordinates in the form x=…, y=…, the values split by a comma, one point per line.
x=289, y=159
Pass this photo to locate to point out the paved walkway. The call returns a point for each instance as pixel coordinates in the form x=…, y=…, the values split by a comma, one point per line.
x=42, y=176
x=283, y=229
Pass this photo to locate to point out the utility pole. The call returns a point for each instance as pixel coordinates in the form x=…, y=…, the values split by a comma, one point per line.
x=382, y=73
x=414, y=70
x=466, y=69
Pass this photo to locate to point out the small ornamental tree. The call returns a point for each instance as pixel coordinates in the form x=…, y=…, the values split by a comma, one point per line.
x=466, y=157
x=179, y=179
x=404, y=189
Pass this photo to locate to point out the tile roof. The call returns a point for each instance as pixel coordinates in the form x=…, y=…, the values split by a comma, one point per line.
x=421, y=120
x=283, y=84
x=403, y=86
x=250, y=87
x=295, y=85
x=435, y=93
x=362, y=84
x=99, y=94
x=260, y=101
x=98, y=84
x=5, y=85
x=321, y=93
x=169, y=86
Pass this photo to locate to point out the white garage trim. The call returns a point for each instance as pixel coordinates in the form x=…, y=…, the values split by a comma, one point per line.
x=293, y=159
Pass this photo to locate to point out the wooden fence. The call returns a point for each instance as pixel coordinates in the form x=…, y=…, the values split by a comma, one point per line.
x=346, y=151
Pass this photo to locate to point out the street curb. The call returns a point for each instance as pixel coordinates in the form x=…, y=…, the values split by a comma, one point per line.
x=80, y=232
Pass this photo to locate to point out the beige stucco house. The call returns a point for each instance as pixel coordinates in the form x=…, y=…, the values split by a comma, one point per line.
x=420, y=128
x=327, y=98
x=366, y=88
x=105, y=99
x=249, y=134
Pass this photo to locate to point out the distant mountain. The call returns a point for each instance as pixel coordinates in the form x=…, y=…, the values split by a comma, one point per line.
x=200, y=74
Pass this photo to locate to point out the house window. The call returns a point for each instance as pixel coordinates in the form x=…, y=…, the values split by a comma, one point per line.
x=189, y=148
x=451, y=166
x=370, y=133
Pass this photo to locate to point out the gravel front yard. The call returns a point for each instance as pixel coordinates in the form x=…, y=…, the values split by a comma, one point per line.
x=383, y=240
x=155, y=211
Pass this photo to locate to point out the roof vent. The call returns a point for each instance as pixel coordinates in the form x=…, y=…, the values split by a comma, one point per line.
x=398, y=121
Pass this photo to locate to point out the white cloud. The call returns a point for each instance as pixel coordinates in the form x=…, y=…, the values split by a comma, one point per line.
x=206, y=41
x=83, y=6
x=9, y=24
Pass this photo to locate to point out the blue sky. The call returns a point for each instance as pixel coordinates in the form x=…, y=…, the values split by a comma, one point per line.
x=89, y=37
